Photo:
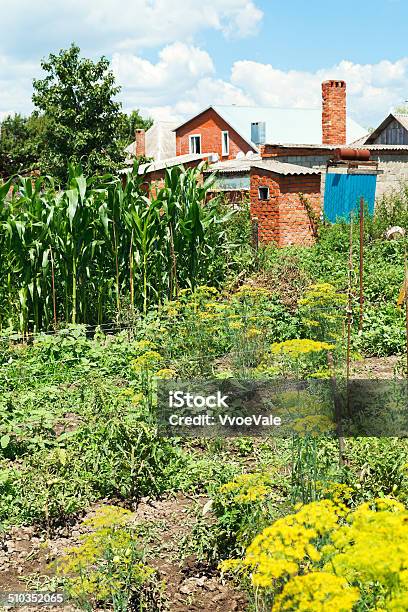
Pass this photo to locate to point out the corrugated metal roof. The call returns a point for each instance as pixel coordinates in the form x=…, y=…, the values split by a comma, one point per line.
x=284, y=168
x=403, y=119
x=235, y=165
x=360, y=141
x=168, y=163
x=282, y=124
x=371, y=147
x=160, y=142
x=245, y=165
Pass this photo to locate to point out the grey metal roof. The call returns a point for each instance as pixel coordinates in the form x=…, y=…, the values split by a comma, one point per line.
x=282, y=125
x=237, y=166
x=284, y=168
x=355, y=145
x=402, y=118
x=168, y=163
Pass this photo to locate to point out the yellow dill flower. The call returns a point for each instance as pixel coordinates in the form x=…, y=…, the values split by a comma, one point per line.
x=322, y=294
x=143, y=345
x=147, y=360
x=253, y=332
x=317, y=592
x=166, y=374
x=314, y=424
x=298, y=347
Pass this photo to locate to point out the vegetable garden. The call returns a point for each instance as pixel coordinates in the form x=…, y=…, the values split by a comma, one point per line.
x=104, y=293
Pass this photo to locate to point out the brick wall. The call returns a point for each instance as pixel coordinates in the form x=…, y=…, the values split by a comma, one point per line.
x=296, y=225
x=334, y=112
x=267, y=211
x=210, y=126
x=140, y=140
x=154, y=181
x=284, y=218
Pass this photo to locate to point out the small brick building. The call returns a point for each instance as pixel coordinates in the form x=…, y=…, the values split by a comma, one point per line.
x=285, y=199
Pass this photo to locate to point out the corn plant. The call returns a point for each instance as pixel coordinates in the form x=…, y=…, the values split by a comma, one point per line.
x=82, y=253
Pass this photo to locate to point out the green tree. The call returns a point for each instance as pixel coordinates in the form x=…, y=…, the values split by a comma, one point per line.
x=20, y=139
x=83, y=119
x=131, y=123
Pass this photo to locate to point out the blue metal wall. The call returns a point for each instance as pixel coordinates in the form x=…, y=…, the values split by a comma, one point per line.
x=342, y=194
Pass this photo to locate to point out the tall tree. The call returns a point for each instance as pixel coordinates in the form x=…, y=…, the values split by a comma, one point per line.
x=83, y=118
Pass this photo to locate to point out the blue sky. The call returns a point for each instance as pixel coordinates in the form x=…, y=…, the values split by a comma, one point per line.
x=174, y=57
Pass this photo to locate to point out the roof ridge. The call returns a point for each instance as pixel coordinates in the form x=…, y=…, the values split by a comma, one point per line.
x=314, y=108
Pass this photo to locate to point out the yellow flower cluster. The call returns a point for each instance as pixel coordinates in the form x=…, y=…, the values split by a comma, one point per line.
x=340, y=494
x=314, y=425
x=144, y=345
x=316, y=558
x=146, y=361
x=297, y=347
x=317, y=591
x=86, y=568
x=322, y=294
x=247, y=488
x=280, y=549
x=166, y=374
x=252, y=291
x=373, y=547
x=253, y=332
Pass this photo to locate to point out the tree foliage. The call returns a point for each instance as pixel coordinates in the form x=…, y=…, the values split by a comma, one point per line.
x=83, y=118
x=20, y=143
x=132, y=122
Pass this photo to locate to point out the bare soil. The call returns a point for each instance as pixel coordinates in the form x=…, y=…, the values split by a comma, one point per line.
x=27, y=558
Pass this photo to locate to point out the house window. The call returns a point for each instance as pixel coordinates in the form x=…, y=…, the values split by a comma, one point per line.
x=225, y=143
x=195, y=143
x=263, y=193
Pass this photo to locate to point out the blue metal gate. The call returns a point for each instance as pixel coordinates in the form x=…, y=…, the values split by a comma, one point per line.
x=342, y=194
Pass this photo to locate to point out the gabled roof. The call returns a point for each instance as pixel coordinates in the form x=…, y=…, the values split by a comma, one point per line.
x=401, y=118
x=160, y=142
x=283, y=125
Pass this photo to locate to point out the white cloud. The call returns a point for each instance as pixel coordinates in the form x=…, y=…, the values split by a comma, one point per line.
x=16, y=85
x=183, y=82
x=132, y=25
x=155, y=22
x=179, y=67
x=373, y=89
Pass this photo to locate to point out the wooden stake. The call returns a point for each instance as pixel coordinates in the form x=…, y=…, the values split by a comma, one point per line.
x=255, y=236
x=349, y=299
x=406, y=300
x=54, y=299
x=360, y=324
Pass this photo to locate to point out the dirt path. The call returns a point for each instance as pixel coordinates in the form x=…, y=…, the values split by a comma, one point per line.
x=26, y=558
x=376, y=367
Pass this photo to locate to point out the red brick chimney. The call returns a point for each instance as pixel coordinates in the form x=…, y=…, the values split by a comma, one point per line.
x=140, y=149
x=334, y=112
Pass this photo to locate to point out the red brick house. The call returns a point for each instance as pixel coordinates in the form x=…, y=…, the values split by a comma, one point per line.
x=276, y=156
x=232, y=131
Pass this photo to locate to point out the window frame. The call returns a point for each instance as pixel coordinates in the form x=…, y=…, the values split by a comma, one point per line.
x=259, y=193
x=225, y=150
x=190, y=141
